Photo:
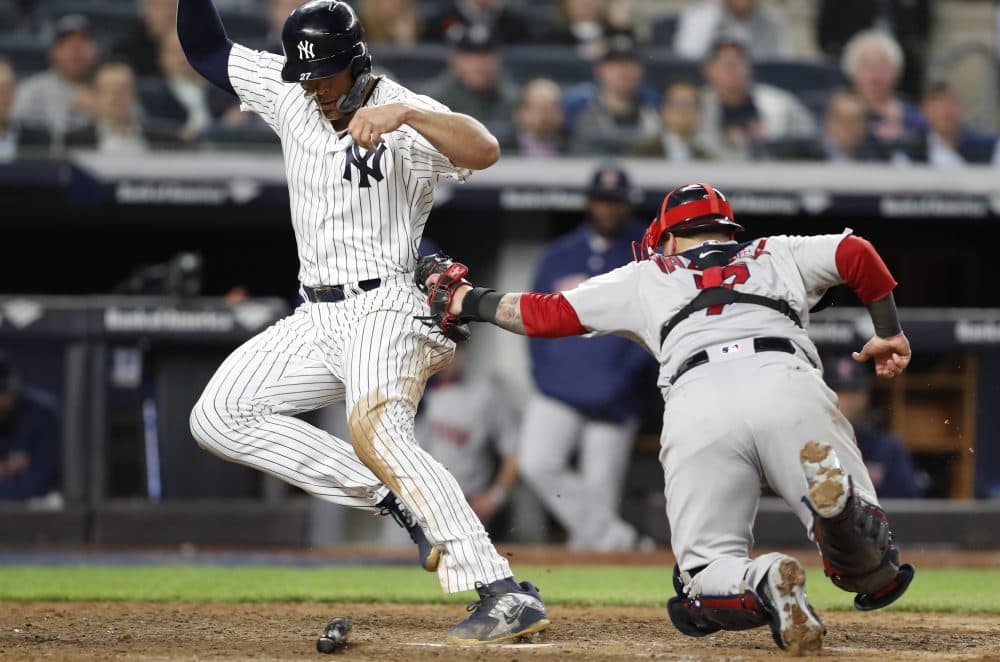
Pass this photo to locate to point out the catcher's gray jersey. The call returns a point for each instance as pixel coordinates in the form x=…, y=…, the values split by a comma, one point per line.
x=638, y=299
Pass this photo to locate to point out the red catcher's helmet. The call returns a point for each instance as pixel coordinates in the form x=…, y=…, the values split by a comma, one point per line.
x=685, y=209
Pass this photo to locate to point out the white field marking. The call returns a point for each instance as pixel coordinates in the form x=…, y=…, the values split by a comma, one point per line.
x=516, y=646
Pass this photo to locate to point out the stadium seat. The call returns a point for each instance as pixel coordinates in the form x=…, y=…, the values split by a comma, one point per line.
x=411, y=63
x=562, y=64
x=26, y=53
x=663, y=67
x=798, y=76
x=663, y=31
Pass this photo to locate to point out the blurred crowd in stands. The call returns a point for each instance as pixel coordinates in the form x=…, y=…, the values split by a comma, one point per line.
x=713, y=80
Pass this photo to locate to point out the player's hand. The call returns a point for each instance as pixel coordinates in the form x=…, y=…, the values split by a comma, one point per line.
x=368, y=125
x=891, y=355
x=456, y=298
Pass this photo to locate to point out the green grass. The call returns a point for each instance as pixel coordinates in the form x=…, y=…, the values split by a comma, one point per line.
x=954, y=590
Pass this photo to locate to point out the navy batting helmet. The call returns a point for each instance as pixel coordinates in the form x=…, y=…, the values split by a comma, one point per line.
x=321, y=38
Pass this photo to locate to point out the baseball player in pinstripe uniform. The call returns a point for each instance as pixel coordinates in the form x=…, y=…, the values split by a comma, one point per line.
x=363, y=155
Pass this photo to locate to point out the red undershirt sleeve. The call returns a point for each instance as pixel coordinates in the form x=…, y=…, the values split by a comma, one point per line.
x=863, y=270
x=549, y=316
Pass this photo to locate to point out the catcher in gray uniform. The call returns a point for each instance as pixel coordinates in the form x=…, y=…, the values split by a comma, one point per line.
x=725, y=317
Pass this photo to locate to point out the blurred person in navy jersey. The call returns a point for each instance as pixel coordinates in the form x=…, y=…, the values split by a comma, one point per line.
x=873, y=62
x=620, y=111
x=466, y=424
x=508, y=24
x=30, y=441
x=739, y=116
x=908, y=21
x=475, y=83
x=156, y=20
x=700, y=26
x=679, y=113
x=948, y=142
x=538, y=121
x=888, y=462
x=589, y=389
x=60, y=99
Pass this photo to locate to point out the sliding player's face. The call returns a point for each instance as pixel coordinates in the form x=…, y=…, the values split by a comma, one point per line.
x=328, y=92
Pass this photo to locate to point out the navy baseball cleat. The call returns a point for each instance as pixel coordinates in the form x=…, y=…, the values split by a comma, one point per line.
x=430, y=556
x=505, y=610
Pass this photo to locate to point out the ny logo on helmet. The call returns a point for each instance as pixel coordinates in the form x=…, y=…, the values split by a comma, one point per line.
x=306, y=51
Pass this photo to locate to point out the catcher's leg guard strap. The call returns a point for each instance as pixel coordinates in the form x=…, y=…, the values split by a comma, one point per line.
x=711, y=613
x=858, y=551
x=697, y=617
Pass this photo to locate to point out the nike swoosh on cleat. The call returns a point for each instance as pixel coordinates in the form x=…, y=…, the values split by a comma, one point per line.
x=702, y=255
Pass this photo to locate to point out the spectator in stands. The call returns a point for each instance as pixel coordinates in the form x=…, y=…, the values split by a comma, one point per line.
x=180, y=97
x=118, y=128
x=506, y=23
x=390, y=21
x=538, y=121
x=888, y=462
x=277, y=12
x=30, y=441
x=947, y=142
x=474, y=83
x=60, y=99
x=908, y=21
x=586, y=24
x=588, y=401
x=8, y=132
x=873, y=61
x=156, y=20
x=762, y=30
x=844, y=137
x=617, y=114
x=679, y=113
x=467, y=425
x=739, y=116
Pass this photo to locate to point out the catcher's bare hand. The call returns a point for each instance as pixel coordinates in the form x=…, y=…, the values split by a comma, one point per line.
x=368, y=125
x=891, y=355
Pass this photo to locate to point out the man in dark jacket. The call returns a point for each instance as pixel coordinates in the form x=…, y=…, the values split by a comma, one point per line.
x=588, y=400
x=29, y=439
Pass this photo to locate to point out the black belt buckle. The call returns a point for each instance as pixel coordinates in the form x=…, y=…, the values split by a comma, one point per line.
x=335, y=293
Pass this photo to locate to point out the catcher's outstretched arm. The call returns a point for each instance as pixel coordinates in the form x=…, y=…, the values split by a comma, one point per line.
x=527, y=313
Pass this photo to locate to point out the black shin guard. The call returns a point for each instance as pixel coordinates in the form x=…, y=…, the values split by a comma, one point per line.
x=859, y=554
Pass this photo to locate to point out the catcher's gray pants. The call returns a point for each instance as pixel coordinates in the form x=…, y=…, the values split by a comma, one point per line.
x=584, y=500
x=727, y=428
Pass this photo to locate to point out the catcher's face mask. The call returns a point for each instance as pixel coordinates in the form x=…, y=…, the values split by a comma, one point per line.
x=690, y=207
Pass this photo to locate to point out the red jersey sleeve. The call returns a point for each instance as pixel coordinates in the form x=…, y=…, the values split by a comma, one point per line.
x=863, y=270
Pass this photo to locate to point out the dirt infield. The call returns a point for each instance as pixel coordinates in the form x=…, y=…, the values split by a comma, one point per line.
x=146, y=631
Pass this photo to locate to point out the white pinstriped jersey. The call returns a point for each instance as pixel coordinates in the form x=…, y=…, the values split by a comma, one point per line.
x=357, y=215
x=636, y=300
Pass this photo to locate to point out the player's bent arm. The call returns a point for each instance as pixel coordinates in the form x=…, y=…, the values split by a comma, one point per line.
x=204, y=40
x=463, y=139
x=864, y=271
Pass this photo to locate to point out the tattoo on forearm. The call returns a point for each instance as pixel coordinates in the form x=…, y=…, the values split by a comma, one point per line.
x=509, y=313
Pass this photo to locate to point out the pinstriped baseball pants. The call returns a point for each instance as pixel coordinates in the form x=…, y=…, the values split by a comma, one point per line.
x=370, y=352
